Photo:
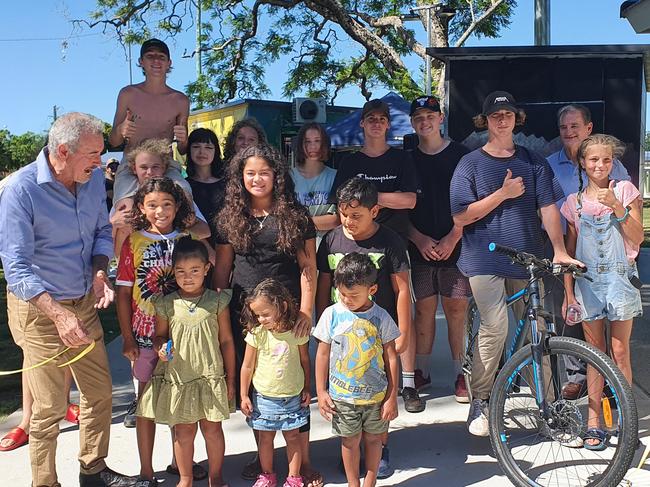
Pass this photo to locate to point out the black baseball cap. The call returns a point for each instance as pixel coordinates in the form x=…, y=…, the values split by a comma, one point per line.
x=425, y=103
x=154, y=45
x=373, y=106
x=499, y=100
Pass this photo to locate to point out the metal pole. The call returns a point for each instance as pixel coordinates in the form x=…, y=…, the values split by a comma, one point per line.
x=427, y=74
x=198, y=39
x=542, y=22
x=128, y=28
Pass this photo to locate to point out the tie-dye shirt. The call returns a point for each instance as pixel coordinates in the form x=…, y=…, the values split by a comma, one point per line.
x=278, y=371
x=357, y=374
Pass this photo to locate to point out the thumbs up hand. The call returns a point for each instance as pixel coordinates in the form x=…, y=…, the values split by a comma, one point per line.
x=606, y=195
x=512, y=187
x=180, y=130
x=128, y=126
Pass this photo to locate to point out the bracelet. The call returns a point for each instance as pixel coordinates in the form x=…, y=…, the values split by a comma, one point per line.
x=625, y=215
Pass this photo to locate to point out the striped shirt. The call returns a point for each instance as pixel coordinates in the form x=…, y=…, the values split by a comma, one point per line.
x=514, y=222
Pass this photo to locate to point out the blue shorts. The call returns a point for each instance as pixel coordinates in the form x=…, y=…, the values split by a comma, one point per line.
x=277, y=413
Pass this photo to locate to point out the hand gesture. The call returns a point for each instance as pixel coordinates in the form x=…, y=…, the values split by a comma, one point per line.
x=607, y=197
x=326, y=406
x=389, y=409
x=121, y=217
x=130, y=349
x=446, y=246
x=71, y=329
x=180, y=130
x=128, y=126
x=246, y=406
x=305, y=398
x=103, y=290
x=512, y=187
x=564, y=258
x=427, y=247
x=164, y=355
x=303, y=325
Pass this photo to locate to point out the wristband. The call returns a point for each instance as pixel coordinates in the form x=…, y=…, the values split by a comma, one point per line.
x=624, y=217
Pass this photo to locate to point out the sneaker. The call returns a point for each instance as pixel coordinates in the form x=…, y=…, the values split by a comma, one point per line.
x=129, y=418
x=266, y=480
x=294, y=482
x=385, y=470
x=412, y=401
x=477, y=422
x=460, y=390
x=420, y=381
x=146, y=482
x=252, y=469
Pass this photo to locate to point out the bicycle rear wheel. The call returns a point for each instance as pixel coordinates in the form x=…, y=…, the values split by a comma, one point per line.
x=470, y=337
x=538, y=452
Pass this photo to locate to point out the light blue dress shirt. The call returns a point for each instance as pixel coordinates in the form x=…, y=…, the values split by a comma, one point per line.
x=567, y=175
x=48, y=235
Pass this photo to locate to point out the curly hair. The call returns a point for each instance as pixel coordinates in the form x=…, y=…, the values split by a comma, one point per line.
x=229, y=146
x=480, y=120
x=204, y=136
x=299, y=146
x=184, y=214
x=235, y=220
x=157, y=147
x=279, y=297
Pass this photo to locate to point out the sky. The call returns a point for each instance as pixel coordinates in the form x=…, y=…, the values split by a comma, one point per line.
x=49, y=63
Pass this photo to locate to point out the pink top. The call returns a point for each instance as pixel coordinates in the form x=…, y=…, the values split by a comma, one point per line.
x=625, y=191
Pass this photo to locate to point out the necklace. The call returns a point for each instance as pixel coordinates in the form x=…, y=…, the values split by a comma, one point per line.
x=193, y=304
x=261, y=220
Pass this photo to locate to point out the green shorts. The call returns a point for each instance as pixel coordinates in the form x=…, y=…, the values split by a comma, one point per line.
x=350, y=419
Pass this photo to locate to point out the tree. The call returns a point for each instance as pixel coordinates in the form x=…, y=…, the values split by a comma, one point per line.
x=329, y=44
x=18, y=150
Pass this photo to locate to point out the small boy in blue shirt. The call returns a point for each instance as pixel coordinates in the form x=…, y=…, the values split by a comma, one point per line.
x=356, y=366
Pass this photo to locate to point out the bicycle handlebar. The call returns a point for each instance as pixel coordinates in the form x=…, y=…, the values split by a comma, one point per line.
x=525, y=259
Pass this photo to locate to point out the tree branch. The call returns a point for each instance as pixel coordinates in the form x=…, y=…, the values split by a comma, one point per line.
x=461, y=40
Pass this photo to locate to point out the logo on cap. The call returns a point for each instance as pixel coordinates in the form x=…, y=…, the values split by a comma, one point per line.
x=501, y=99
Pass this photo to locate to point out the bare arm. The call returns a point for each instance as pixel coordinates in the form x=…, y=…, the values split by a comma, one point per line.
x=245, y=377
x=225, y=256
x=123, y=303
x=551, y=220
x=200, y=229
x=305, y=362
x=162, y=335
x=323, y=292
x=70, y=328
x=326, y=222
x=389, y=404
x=401, y=288
x=307, y=263
x=325, y=403
x=123, y=124
x=227, y=346
x=397, y=201
x=571, y=239
x=632, y=226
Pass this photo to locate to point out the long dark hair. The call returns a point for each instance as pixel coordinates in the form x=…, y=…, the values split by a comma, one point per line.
x=235, y=219
x=229, y=146
x=204, y=136
x=184, y=213
x=279, y=297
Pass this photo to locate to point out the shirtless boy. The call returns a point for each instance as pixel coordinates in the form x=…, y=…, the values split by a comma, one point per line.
x=149, y=110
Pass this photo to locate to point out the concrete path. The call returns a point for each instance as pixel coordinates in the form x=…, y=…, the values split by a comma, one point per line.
x=430, y=448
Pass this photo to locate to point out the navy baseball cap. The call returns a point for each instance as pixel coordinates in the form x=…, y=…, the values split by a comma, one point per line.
x=425, y=103
x=499, y=100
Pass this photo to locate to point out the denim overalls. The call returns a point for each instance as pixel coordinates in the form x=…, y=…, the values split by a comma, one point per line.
x=600, y=246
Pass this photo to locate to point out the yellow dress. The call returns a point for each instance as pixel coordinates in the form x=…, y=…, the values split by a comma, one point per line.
x=192, y=385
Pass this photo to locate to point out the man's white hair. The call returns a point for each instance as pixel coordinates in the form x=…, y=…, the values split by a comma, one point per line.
x=68, y=129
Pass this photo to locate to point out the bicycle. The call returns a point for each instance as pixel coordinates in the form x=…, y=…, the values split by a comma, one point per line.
x=532, y=429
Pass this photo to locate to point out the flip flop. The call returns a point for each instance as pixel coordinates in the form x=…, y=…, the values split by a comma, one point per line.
x=595, y=434
x=314, y=479
x=18, y=436
x=198, y=472
x=72, y=414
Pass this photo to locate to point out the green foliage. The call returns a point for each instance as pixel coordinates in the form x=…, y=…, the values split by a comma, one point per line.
x=18, y=150
x=327, y=45
x=646, y=143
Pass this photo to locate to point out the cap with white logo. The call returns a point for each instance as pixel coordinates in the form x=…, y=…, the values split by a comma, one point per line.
x=499, y=100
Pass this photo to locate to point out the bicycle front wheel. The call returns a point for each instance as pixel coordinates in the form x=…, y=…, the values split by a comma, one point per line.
x=546, y=449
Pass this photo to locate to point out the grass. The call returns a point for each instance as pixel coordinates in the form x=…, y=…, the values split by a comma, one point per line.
x=11, y=356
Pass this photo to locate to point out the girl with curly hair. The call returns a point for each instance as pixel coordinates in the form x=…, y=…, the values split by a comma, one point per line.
x=161, y=213
x=263, y=231
x=244, y=133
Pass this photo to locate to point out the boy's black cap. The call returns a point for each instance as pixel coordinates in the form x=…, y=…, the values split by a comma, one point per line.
x=154, y=44
x=499, y=100
x=375, y=105
x=425, y=103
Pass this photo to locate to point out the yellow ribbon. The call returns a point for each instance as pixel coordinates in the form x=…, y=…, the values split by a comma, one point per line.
x=80, y=355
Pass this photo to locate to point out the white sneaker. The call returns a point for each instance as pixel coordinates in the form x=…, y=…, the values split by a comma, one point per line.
x=477, y=422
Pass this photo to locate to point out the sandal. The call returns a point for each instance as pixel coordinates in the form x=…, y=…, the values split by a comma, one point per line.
x=313, y=479
x=72, y=414
x=17, y=436
x=595, y=434
x=198, y=472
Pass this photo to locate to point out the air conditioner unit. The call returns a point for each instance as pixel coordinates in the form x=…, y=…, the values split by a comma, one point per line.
x=309, y=110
